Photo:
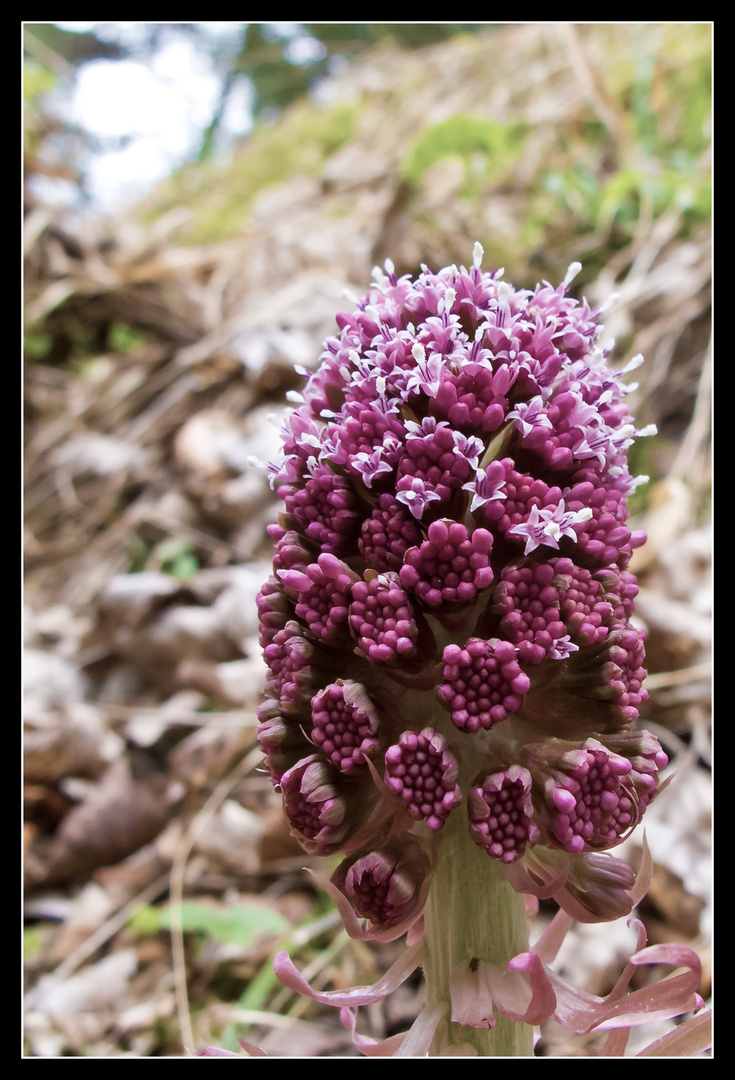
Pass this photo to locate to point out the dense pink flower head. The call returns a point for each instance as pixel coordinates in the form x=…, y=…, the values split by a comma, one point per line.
x=451, y=596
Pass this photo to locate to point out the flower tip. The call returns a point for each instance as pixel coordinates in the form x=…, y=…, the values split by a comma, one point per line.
x=632, y=364
x=572, y=272
x=477, y=254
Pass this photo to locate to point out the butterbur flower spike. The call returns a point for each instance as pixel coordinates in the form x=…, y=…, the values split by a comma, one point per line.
x=454, y=680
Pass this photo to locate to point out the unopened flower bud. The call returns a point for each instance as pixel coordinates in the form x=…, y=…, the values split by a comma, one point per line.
x=386, y=886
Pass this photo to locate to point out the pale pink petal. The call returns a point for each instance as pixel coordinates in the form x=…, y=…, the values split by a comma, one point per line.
x=692, y=1037
x=471, y=995
x=581, y=1012
x=550, y=942
x=536, y=878
x=645, y=871
x=288, y=974
x=524, y=992
x=622, y=984
x=367, y=1046
x=249, y=1048
x=615, y=1043
x=416, y=931
x=420, y=1036
x=575, y=1009
x=663, y=1000
x=346, y=913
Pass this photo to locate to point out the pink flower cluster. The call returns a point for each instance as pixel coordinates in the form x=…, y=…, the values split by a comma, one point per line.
x=448, y=624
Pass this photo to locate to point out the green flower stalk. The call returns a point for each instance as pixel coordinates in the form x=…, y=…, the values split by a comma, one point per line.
x=454, y=678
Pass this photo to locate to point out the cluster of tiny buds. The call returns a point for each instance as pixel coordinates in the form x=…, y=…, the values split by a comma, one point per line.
x=450, y=593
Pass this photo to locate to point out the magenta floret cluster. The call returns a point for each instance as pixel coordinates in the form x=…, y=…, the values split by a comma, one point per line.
x=501, y=814
x=420, y=771
x=483, y=683
x=345, y=723
x=449, y=627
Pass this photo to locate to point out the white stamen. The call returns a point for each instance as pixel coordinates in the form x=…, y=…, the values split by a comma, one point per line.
x=611, y=300
x=572, y=272
x=650, y=429
x=449, y=297
x=503, y=293
x=477, y=253
x=349, y=295
x=389, y=266
x=633, y=364
x=294, y=395
x=418, y=352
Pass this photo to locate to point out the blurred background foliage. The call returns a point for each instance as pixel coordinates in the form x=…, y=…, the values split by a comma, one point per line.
x=262, y=54
x=639, y=147
x=638, y=152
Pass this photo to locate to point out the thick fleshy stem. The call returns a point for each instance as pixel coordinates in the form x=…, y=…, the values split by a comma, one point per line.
x=472, y=915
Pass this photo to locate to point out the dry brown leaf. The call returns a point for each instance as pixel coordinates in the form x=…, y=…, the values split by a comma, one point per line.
x=121, y=814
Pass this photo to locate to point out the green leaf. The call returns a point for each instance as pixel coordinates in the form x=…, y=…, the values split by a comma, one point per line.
x=463, y=136
x=123, y=339
x=146, y=920
x=176, y=557
x=238, y=925
x=32, y=942
x=37, y=345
